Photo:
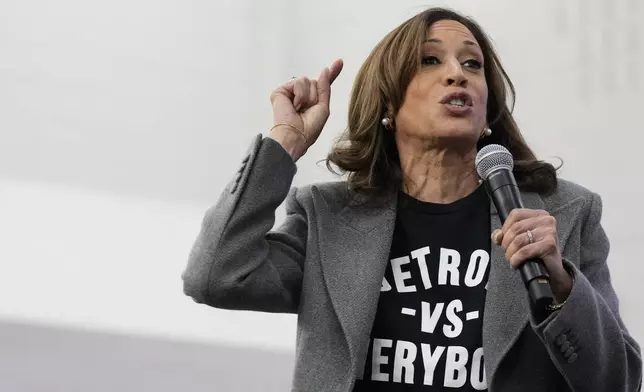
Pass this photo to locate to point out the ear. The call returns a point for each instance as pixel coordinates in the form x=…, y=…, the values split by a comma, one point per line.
x=388, y=119
x=390, y=111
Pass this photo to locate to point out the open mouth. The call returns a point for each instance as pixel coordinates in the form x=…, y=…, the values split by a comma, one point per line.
x=457, y=100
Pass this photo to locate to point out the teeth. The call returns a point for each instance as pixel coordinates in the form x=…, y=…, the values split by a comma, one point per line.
x=457, y=102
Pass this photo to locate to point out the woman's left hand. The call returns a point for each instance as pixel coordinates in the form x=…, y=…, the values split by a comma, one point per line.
x=532, y=234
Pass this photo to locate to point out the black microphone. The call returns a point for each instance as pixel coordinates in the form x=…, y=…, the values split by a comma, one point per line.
x=494, y=164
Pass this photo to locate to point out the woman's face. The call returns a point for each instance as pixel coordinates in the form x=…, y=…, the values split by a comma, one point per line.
x=447, y=98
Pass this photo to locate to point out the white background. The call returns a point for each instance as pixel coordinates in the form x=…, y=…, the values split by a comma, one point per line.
x=121, y=121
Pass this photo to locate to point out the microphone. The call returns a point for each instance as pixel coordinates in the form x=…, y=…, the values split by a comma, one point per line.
x=494, y=164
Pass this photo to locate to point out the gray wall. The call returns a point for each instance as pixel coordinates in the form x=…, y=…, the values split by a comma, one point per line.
x=49, y=359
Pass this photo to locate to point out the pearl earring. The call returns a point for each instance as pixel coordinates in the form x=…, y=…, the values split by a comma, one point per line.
x=488, y=131
x=386, y=122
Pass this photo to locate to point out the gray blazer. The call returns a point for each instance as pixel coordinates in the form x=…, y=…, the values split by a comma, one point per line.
x=327, y=260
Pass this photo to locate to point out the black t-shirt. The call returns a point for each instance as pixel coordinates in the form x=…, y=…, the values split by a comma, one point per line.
x=427, y=334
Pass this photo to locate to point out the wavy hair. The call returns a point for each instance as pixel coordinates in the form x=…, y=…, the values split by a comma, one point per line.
x=366, y=152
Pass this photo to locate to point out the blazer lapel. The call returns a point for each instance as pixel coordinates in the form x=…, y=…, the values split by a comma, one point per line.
x=507, y=308
x=506, y=304
x=354, y=248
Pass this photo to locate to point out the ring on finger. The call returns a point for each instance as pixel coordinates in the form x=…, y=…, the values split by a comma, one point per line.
x=530, y=236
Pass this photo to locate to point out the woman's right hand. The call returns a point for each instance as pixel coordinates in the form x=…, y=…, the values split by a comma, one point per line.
x=303, y=105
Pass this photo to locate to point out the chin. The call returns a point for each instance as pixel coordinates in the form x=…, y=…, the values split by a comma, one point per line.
x=458, y=132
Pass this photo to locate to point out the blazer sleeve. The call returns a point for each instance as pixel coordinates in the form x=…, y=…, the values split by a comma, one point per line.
x=237, y=261
x=587, y=339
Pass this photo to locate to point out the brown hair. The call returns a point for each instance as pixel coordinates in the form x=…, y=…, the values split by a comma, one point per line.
x=367, y=151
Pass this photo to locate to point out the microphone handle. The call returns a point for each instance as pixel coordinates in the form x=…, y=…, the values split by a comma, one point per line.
x=504, y=192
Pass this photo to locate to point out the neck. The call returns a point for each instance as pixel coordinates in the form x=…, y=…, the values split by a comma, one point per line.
x=437, y=175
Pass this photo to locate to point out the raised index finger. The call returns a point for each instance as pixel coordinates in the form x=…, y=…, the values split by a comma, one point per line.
x=335, y=69
x=327, y=77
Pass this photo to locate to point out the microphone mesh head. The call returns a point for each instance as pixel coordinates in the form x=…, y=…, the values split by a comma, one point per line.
x=491, y=158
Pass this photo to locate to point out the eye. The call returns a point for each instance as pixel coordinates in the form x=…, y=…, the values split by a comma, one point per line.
x=430, y=60
x=473, y=64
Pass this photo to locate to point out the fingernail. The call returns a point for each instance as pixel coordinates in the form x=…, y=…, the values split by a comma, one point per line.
x=495, y=236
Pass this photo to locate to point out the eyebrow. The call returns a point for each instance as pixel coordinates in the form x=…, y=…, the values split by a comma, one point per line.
x=466, y=42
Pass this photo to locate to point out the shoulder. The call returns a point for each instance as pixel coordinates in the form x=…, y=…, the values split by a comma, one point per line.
x=569, y=194
x=335, y=194
x=567, y=191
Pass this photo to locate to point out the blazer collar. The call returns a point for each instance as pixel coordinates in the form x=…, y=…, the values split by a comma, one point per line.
x=354, y=248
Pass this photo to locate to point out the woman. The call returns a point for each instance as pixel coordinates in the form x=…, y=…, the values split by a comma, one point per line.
x=392, y=273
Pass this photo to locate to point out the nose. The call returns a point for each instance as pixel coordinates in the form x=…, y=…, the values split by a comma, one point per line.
x=454, y=75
